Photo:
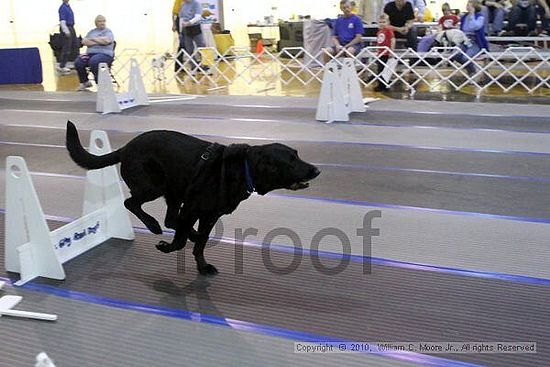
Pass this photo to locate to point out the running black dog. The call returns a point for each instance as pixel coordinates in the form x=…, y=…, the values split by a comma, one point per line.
x=200, y=181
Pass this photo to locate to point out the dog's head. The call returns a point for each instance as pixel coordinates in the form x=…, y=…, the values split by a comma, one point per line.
x=277, y=166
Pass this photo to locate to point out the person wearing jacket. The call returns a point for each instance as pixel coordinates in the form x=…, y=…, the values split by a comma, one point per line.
x=473, y=25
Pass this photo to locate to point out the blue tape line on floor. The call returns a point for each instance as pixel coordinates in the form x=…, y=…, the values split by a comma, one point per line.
x=422, y=359
x=362, y=259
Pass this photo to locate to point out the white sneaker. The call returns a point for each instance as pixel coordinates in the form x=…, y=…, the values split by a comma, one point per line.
x=70, y=65
x=84, y=86
x=64, y=71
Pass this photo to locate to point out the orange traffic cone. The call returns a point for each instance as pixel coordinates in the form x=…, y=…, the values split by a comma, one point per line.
x=260, y=47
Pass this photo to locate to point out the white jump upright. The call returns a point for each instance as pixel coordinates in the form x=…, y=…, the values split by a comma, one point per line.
x=108, y=101
x=42, y=360
x=31, y=249
x=340, y=92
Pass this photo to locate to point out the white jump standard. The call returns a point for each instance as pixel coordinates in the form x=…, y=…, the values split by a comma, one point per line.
x=31, y=249
x=108, y=101
x=340, y=92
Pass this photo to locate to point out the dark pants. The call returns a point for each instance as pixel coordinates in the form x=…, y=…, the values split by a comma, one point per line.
x=545, y=21
x=523, y=15
x=181, y=46
x=92, y=61
x=411, y=38
x=70, y=47
x=191, y=41
x=495, y=17
x=471, y=51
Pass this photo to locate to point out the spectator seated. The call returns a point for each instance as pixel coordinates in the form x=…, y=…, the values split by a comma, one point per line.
x=101, y=46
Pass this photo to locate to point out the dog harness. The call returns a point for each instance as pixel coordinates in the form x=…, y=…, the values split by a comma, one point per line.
x=210, y=153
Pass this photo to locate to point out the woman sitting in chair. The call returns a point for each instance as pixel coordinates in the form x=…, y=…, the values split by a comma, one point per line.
x=100, y=43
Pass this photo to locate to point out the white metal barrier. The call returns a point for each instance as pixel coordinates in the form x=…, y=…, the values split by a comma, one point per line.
x=516, y=67
x=31, y=249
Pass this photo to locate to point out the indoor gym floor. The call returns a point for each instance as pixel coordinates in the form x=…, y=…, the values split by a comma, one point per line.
x=462, y=255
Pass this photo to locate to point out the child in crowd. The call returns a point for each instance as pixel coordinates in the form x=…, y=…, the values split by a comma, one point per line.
x=448, y=20
x=384, y=38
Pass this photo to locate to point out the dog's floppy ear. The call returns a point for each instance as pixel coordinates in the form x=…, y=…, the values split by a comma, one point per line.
x=235, y=152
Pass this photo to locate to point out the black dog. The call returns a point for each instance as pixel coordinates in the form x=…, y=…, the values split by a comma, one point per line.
x=200, y=181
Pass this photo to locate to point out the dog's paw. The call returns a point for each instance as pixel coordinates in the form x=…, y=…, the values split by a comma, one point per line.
x=166, y=247
x=208, y=270
x=154, y=227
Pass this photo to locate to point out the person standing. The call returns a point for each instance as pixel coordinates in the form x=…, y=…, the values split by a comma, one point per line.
x=70, y=42
x=190, y=15
x=176, y=28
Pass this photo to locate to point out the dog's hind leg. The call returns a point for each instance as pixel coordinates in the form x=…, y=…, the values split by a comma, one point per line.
x=146, y=181
x=205, y=227
x=134, y=204
x=183, y=228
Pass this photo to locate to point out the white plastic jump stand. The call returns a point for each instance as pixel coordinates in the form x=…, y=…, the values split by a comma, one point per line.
x=110, y=102
x=31, y=249
x=42, y=360
x=352, y=89
x=340, y=92
x=331, y=106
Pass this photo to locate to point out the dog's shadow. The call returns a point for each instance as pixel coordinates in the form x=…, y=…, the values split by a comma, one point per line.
x=178, y=296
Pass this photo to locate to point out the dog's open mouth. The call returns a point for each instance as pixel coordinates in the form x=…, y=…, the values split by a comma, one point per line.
x=299, y=186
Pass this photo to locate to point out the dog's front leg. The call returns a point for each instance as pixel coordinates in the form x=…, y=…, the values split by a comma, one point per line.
x=183, y=228
x=205, y=227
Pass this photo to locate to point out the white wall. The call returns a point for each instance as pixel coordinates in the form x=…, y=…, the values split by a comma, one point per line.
x=239, y=13
x=144, y=24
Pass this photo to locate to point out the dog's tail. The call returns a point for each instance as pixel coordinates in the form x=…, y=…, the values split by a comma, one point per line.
x=84, y=159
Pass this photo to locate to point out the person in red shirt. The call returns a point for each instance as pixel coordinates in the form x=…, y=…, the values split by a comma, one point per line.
x=384, y=38
x=448, y=20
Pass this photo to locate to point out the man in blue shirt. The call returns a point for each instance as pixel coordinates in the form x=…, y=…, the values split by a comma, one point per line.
x=347, y=32
x=70, y=42
x=100, y=42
